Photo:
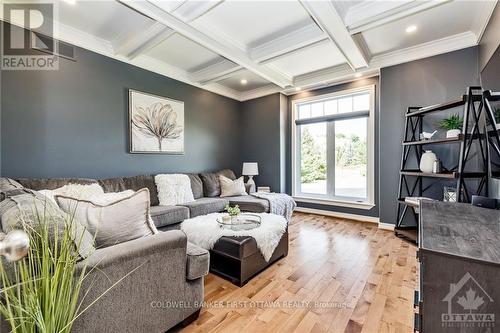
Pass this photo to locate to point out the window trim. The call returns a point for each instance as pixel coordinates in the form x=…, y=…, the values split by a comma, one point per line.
x=338, y=201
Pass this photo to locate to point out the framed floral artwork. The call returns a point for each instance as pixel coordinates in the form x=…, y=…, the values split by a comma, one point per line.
x=156, y=124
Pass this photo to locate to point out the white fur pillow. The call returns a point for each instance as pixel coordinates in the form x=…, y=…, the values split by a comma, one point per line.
x=77, y=191
x=173, y=189
x=230, y=188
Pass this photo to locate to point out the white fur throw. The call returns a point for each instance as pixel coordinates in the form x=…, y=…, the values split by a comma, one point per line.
x=173, y=189
x=77, y=191
x=204, y=231
x=229, y=187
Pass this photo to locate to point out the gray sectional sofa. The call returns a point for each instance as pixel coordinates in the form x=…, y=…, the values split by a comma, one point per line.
x=205, y=187
x=167, y=289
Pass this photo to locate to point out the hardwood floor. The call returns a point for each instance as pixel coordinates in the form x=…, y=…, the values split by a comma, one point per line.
x=365, y=278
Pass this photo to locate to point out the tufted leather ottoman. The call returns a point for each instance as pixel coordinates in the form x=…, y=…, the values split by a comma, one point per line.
x=238, y=259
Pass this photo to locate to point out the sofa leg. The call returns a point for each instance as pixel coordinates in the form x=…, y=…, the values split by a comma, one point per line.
x=191, y=318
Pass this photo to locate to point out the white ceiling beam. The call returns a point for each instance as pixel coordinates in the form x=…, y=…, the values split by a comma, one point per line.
x=217, y=45
x=291, y=41
x=139, y=41
x=330, y=21
x=214, y=72
x=371, y=14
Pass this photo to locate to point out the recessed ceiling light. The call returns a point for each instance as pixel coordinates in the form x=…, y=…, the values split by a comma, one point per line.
x=358, y=75
x=411, y=28
x=298, y=89
x=70, y=2
x=243, y=81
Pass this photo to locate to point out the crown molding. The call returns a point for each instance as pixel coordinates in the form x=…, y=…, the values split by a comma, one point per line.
x=425, y=50
x=479, y=25
x=371, y=14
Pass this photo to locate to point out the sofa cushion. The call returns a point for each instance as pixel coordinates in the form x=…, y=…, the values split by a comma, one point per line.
x=33, y=209
x=146, y=181
x=173, y=189
x=112, y=223
x=9, y=187
x=167, y=215
x=113, y=184
x=248, y=203
x=211, y=183
x=196, y=185
x=205, y=206
x=52, y=183
x=197, y=262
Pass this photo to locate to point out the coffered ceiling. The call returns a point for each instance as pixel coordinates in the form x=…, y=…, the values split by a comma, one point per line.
x=247, y=49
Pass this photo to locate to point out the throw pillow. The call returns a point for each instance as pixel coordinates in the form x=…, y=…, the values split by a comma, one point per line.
x=26, y=208
x=230, y=187
x=112, y=223
x=77, y=191
x=173, y=189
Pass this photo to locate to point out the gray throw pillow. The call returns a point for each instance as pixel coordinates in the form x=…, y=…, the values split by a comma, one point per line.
x=117, y=222
x=196, y=185
x=24, y=208
x=211, y=183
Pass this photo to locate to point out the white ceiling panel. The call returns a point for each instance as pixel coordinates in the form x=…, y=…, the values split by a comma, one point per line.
x=439, y=22
x=248, y=22
x=107, y=20
x=253, y=81
x=310, y=59
x=183, y=53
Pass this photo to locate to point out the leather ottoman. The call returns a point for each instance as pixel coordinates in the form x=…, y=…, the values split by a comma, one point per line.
x=238, y=259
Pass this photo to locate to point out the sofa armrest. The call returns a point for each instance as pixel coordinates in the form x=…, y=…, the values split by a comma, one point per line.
x=135, y=284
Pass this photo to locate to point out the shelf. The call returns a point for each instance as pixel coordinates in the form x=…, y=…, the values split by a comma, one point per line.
x=446, y=175
x=492, y=95
x=433, y=141
x=438, y=107
x=418, y=173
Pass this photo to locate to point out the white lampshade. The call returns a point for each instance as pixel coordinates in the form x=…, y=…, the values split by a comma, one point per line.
x=250, y=169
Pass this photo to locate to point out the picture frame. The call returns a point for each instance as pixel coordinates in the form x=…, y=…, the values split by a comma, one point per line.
x=156, y=124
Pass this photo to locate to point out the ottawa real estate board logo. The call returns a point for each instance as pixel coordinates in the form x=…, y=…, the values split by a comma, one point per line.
x=27, y=36
x=467, y=305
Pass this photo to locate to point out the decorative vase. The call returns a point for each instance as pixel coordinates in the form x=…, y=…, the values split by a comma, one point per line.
x=453, y=133
x=427, y=161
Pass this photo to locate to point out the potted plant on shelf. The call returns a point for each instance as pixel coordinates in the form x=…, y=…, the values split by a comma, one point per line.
x=233, y=212
x=453, y=125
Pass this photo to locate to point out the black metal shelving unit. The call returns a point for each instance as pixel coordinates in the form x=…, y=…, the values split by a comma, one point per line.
x=493, y=133
x=411, y=180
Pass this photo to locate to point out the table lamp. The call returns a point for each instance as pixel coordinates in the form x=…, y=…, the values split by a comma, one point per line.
x=250, y=169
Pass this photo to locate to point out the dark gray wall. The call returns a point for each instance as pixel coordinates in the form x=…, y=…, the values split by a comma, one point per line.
x=74, y=122
x=418, y=83
x=260, y=123
x=358, y=83
x=490, y=80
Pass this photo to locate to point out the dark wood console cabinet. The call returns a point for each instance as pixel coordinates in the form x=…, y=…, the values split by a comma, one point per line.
x=459, y=255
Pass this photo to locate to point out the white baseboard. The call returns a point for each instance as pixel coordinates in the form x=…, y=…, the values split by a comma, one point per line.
x=386, y=226
x=361, y=218
x=356, y=217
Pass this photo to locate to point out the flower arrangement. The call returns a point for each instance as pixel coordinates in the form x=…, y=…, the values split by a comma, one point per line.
x=233, y=211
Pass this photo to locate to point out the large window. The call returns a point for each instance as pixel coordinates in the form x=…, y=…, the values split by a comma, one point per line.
x=333, y=140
